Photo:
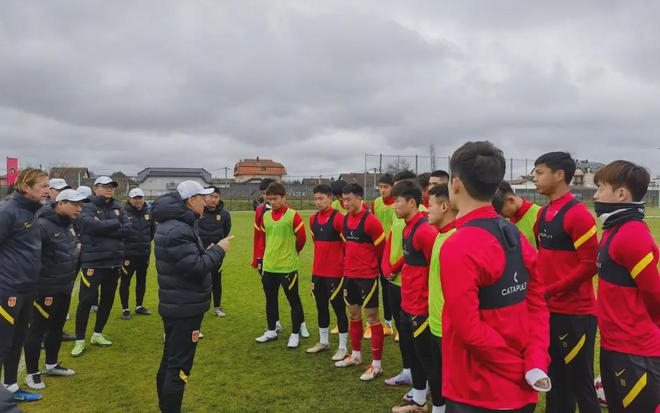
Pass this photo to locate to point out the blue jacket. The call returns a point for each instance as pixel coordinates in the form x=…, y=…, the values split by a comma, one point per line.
x=214, y=225
x=20, y=244
x=184, y=265
x=59, y=256
x=138, y=240
x=103, y=227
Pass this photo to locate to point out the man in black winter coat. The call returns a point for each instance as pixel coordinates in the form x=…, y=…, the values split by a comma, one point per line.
x=214, y=225
x=103, y=227
x=137, y=251
x=59, y=259
x=184, y=268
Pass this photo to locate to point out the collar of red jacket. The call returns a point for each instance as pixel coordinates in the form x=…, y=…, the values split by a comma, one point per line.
x=414, y=220
x=448, y=227
x=325, y=213
x=562, y=200
x=484, y=212
x=279, y=212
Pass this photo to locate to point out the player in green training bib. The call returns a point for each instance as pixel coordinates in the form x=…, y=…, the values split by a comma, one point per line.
x=382, y=208
x=518, y=210
x=441, y=215
x=391, y=266
x=285, y=238
x=337, y=187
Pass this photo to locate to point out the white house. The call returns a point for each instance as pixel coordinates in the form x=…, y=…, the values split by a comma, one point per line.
x=158, y=181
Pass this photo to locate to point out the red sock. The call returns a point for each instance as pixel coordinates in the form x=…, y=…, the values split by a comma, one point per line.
x=377, y=339
x=356, y=331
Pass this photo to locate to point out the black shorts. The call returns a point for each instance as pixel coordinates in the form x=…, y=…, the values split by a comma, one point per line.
x=361, y=291
x=327, y=286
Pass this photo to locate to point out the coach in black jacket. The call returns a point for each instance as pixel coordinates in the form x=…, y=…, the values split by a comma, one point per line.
x=20, y=263
x=103, y=227
x=59, y=259
x=214, y=225
x=137, y=250
x=184, y=268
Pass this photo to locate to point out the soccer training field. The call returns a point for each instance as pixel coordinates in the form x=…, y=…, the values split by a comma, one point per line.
x=231, y=372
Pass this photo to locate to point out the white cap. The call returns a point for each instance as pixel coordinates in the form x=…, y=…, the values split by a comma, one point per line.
x=58, y=183
x=105, y=180
x=188, y=189
x=85, y=190
x=135, y=192
x=71, y=195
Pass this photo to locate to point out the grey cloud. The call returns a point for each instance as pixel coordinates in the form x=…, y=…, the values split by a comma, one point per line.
x=315, y=85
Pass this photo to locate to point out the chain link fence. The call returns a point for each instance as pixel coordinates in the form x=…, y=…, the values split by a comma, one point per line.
x=245, y=196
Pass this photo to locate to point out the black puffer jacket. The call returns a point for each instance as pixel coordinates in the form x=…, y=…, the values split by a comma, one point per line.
x=103, y=227
x=214, y=225
x=59, y=257
x=20, y=244
x=184, y=266
x=138, y=240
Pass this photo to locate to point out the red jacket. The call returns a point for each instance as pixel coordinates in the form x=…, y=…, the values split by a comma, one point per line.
x=259, y=243
x=629, y=304
x=568, y=275
x=415, y=279
x=328, y=255
x=488, y=351
x=362, y=259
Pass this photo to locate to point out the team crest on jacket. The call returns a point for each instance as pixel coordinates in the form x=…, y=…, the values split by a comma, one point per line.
x=218, y=218
x=117, y=212
x=195, y=336
x=90, y=272
x=73, y=232
x=48, y=301
x=146, y=217
x=127, y=263
x=11, y=302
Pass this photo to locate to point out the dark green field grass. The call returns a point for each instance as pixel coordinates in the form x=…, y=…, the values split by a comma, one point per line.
x=231, y=372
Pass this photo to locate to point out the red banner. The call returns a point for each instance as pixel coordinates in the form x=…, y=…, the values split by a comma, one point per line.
x=12, y=170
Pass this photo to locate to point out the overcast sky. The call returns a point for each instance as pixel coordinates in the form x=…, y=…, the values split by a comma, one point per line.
x=118, y=85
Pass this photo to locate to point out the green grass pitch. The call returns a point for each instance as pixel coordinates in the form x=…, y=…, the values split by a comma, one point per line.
x=231, y=372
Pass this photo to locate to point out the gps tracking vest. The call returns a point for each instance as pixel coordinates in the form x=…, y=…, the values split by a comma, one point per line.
x=609, y=270
x=325, y=232
x=413, y=257
x=551, y=234
x=511, y=288
x=357, y=235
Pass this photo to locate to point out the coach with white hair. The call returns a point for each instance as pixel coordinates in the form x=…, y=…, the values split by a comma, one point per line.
x=184, y=268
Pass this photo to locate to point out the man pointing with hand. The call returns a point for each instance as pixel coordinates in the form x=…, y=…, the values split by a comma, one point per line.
x=184, y=268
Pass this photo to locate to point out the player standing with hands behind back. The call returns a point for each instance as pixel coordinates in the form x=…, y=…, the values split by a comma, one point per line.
x=184, y=268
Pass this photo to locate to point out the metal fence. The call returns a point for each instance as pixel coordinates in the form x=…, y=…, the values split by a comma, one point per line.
x=242, y=196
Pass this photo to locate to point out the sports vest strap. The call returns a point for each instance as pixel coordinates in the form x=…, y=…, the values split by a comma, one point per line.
x=609, y=270
x=511, y=287
x=551, y=234
x=325, y=232
x=412, y=256
x=357, y=235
